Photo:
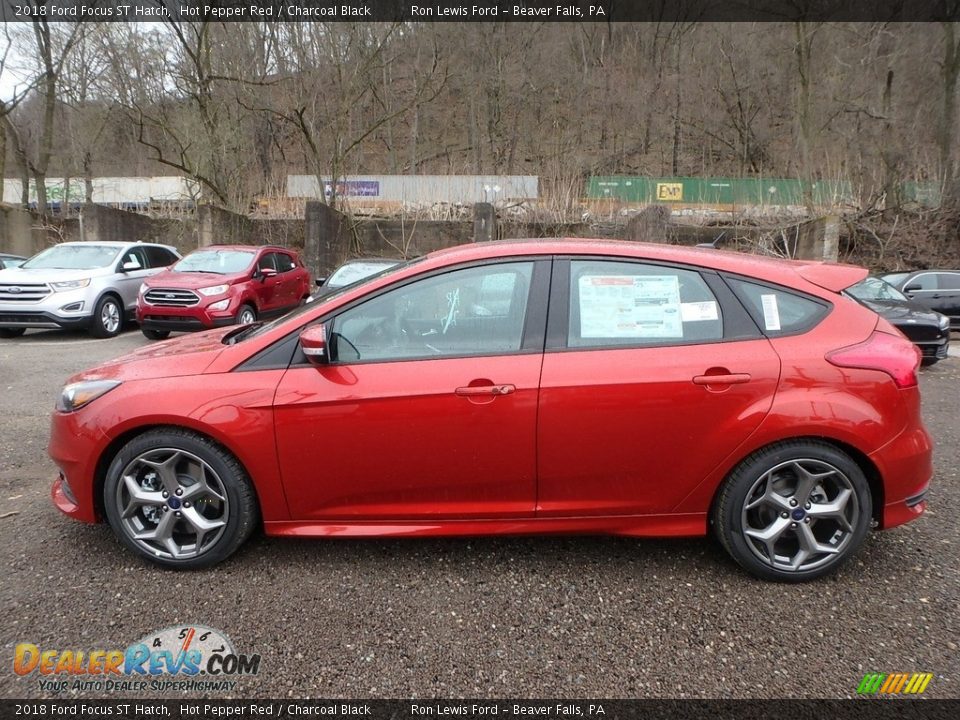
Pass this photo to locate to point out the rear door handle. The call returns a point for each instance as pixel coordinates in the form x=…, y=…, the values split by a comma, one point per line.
x=491, y=390
x=728, y=379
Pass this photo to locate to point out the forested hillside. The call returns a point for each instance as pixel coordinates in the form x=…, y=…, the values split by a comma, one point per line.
x=239, y=106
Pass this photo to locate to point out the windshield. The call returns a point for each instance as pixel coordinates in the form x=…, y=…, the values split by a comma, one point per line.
x=221, y=262
x=351, y=272
x=875, y=289
x=73, y=257
x=259, y=329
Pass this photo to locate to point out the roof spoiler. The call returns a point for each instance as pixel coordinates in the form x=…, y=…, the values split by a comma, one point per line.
x=835, y=277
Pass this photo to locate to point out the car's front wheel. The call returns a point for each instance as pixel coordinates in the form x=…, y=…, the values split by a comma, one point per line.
x=11, y=332
x=246, y=315
x=178, y=499
x=794, y=511
x=107, y=318
x=155, y=334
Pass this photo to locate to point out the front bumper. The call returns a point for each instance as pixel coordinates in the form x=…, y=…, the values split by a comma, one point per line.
x=35, y=319
x=75, y=448
x=187, y=319
x=67, y=309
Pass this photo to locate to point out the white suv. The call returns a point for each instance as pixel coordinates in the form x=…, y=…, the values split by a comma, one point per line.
x=90, y=285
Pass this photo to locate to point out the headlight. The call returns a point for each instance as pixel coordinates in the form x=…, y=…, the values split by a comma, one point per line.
x=75, y=395
x=69, y=285
x=143, y=288
x=219, y=305
x=944, y=322
x=215, y=290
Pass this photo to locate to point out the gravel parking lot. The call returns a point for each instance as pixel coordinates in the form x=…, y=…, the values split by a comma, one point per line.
x=531, y=617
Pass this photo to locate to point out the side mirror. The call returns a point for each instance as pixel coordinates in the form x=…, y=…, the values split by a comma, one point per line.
x=912, y=288
x=130, y=265
x=313, y=341
x=267, y=273
x=321, y=281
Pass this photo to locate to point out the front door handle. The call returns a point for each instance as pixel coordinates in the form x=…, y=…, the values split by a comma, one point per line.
x=486, y=390
x=725, y=379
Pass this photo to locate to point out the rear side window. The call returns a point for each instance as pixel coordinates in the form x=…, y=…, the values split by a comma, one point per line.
x=777, y=311
x=285, y=262
x=635, y=304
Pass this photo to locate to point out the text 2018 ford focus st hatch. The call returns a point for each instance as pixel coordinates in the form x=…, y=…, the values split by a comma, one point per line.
x=562, y=386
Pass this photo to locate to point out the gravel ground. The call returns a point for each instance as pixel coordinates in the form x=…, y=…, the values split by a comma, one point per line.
x=533, y=617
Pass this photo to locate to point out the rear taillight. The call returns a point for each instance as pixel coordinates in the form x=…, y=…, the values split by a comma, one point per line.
x=892, y=354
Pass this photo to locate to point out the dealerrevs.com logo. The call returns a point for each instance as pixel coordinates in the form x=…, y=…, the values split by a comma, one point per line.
x=179, y=658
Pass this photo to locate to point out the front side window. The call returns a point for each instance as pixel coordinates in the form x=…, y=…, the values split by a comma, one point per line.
x=624, y=303
x=926, y=281
x=474, y=311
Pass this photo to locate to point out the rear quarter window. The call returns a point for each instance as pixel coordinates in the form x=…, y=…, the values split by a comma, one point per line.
x=778, y=311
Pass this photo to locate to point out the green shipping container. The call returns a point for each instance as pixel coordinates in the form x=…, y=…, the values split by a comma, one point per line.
x=717, y=191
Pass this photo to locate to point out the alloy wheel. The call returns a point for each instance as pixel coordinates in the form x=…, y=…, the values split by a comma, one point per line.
x=800, y=514
x=172, y=503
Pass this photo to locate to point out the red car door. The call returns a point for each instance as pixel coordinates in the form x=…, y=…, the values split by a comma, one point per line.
x=428, y=408
x=647, y=381
x=268, y=286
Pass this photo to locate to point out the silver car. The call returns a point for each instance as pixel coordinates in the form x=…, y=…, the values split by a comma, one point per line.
x=84, y=285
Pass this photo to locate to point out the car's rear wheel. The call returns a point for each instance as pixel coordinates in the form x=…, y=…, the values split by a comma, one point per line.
x=155, y=334
x=179, y=499
x=246, y=315
x=107, y=318
x=11, y=332
x=794, y=511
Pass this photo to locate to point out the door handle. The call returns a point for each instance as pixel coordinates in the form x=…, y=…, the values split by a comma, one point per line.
x=726, y=379
x=490, y=390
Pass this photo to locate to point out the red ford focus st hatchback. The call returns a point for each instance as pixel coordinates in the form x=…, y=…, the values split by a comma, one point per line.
x=560, y=386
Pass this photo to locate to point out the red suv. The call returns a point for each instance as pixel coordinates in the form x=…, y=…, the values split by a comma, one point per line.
x=222, y=285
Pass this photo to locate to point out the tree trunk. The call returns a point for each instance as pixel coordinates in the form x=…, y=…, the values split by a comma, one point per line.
x=950, y=72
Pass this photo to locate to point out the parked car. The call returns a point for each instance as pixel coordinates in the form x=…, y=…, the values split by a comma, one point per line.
x=927, y=329
x=350, y=272
x=11, y=261
x=936, y=289
x=222, y=285
x=88, y=285
x=563, y=386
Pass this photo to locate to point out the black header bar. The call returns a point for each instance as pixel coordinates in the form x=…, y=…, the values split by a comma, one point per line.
x=327, y=709
x=483, y=10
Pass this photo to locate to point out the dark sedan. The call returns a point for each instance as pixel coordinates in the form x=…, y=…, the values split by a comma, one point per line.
x=927, y=329
x=351, y=272
x=937, y=290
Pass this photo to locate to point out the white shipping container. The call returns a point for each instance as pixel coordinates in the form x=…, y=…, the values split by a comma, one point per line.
x=466, y=189
x=111, y=190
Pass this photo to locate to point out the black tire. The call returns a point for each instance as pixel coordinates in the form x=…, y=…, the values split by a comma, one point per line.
x=246, y=308
x=778, y=469
x=99, y=325
x=8, y=333
x=239, y=514
x=155, y=334
x=927, y=362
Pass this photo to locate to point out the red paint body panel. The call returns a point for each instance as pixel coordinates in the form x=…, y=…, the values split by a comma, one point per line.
x=393, y=440
x=627, y=431
x=615, y=441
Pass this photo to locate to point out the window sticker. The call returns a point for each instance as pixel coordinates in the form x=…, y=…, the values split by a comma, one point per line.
x=771, y=313
x=694, y=311
x=630, y=306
